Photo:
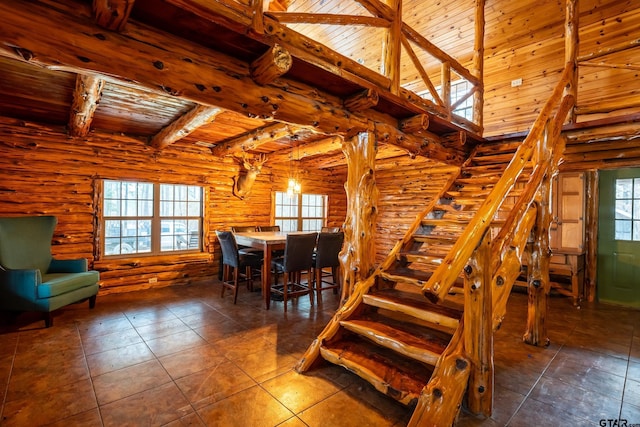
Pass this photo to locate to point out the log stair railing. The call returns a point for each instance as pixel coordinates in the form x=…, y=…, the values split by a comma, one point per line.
x=402, y=328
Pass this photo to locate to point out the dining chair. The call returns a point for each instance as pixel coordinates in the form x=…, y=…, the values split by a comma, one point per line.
x=268, y=228
x=247, y=249
x=330, y=229
x=244, y=228
x=324, y=257
x=298, y=252
x=243, y=265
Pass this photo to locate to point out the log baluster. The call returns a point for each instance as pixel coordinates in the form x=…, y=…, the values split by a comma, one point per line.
x=478, y=328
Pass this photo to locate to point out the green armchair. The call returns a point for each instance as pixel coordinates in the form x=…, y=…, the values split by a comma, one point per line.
x=30, y=278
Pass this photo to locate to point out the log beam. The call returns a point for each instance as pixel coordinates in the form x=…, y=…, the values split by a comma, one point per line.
x=255, y=138
x=86, y=97
x=415, y=123
x=272, y=64
x=426, y=144
x=112, y=14
x=327, y=145
x=184, y=125
x=362, y=100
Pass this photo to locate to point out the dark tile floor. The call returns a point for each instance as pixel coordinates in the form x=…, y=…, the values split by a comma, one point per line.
x=186, y=356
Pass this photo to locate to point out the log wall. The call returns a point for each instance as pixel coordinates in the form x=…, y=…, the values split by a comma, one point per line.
x=42, y=171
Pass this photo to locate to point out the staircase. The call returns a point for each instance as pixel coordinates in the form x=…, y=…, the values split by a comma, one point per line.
x=402, y=327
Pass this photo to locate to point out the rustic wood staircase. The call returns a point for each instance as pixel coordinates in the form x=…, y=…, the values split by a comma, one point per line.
x=402, y=328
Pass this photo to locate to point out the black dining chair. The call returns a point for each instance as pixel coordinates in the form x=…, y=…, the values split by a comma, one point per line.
x=247, y=249
x=244, y=265
x=268, y=228
x=326, y=257
x=330, y=230
x=298, y=252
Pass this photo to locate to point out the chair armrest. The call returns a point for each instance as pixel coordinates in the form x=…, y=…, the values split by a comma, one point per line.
x=68, y=265
x=23, y=283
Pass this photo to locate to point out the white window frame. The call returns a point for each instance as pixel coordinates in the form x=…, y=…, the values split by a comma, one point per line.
x=161, y=218
x=297, y=212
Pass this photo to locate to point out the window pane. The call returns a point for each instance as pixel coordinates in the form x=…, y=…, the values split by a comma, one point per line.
x=623, y=209
x=636, y=188
x=145, y=207
x=636, y=209
x=623, y=230
x=194, y=208
x=623, y=188
x=180, y=209
x=112, y=207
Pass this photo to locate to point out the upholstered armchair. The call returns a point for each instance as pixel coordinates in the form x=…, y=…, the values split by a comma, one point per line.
x=30, y=278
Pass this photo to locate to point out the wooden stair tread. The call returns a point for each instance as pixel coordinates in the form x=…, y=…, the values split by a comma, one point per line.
x=389, y=372
x=416, y=305
x=444, y=221
x=418, y=343
x=415, y=256
x=435, y=238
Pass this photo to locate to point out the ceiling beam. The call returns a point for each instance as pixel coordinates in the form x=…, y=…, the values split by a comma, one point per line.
x=63, y=37
x=112, y=14
x=255, y=138
x=86, y=97
x=184, y=125
x=322, y=147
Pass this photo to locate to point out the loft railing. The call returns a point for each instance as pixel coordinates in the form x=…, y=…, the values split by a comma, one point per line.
x=401, y=43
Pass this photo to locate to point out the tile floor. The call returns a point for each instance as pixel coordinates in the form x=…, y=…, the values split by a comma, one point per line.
x=186, y=356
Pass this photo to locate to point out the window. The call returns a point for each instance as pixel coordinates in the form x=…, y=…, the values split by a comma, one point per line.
x=300, y=212
x=627, y=209
x=146, y=218
x=459, y=89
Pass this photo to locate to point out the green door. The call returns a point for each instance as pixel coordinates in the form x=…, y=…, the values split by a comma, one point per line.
x=619, y=237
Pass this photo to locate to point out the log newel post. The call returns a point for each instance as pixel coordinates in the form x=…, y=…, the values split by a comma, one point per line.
x=538, y=269
x=358, y=253
x=478, y=328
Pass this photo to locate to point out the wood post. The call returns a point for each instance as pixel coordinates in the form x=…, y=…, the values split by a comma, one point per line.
x=392, y=47
x=358, y=253
x=591, y=227
x=478, y=65
x=571, y=40
x=446, y=87
x=538, y=270
x=478, y=328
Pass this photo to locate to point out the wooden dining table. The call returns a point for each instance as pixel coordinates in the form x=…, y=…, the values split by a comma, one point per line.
x=268, y=241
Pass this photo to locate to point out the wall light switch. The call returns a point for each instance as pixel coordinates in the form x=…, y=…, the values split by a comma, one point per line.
x=516, y=82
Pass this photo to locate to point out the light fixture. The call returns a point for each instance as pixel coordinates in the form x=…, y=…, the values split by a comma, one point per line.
x=293, y=186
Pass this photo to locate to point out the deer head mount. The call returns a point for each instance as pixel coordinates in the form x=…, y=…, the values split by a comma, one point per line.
x=244, y=181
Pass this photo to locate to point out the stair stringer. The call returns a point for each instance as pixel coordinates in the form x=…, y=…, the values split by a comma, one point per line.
x=440, y=400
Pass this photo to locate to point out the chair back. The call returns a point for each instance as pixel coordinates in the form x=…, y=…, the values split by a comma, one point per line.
x=25, y=242
x=244, y=228
x=268, y=228
x=229, y=247
x=298, y=251
x=330, y=229
x=328, y=248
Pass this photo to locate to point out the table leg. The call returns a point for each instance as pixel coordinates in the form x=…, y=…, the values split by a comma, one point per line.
x=266, y=277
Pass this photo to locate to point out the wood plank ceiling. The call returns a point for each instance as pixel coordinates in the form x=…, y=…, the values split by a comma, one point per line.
x=56, y=96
